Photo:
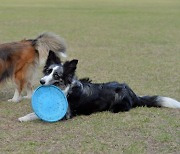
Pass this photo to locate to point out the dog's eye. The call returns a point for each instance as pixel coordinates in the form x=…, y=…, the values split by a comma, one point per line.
x=48, y=71
x=56, y=76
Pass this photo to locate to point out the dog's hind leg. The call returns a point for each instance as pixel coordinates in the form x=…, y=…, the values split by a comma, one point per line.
x=29, y=91
x=23, y=78
x=20, y=82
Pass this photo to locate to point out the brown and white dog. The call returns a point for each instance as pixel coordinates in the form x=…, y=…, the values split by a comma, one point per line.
x=19, y=60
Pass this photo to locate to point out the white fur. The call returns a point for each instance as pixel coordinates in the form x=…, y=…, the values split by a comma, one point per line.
x=28, y=117
x=48, y=78
x=63, y=54
x=65, y=91
x=29, y=94
x=49, y=41
x=68, y=113
x=168, y=102
x=16, y=98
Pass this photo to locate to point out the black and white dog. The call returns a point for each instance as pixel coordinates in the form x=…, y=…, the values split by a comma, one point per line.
x=85, y=97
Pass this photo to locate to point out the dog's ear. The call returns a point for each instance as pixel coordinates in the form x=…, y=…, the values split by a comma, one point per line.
x=52, y=59
x=70, y=66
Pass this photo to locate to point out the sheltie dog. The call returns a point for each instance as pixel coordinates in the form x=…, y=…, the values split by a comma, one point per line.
x=19, y=60
x=85, y=97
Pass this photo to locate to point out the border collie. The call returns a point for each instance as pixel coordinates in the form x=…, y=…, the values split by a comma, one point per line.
x=85, y=97
x=19, y=60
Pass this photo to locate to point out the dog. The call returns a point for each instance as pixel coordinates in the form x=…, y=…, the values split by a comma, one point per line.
x=85, y=97
x=19, y=60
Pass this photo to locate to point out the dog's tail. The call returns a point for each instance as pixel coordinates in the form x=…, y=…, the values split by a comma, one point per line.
x=49, y=41
x=157, y=101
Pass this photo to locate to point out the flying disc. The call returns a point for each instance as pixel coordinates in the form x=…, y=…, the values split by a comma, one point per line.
x=49, y=103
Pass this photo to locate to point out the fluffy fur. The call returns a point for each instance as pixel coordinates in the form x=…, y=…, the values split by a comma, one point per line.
x=19, y=60
x=85, y=97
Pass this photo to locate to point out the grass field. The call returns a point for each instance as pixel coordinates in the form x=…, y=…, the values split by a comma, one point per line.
x=137, y=42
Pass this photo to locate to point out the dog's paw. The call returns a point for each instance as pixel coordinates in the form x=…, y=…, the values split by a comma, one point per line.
x=22, y=119
x=68, y=116
x=15, y=100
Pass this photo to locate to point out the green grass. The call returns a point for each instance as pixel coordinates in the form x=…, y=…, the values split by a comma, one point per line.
x=136, y=42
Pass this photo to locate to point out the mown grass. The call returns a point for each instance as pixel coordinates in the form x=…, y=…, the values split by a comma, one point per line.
x=136, y=42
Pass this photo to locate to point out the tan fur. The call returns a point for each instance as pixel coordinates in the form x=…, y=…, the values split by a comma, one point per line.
x=21, y=59
x=24, y=60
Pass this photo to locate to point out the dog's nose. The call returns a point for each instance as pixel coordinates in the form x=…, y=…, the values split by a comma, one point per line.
x=42, y=82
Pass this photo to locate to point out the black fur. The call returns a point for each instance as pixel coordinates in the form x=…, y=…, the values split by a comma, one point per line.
x=5, y=56
x=85, y=97
x=6, y=73
x=6, y=50
x=52, y=59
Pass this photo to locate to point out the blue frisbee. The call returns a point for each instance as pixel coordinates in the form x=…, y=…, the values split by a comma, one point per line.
x=49, y=103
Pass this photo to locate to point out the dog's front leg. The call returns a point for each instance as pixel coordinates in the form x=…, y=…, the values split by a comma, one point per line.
x=17, y=96
x=28, y=117
x=68, y=113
